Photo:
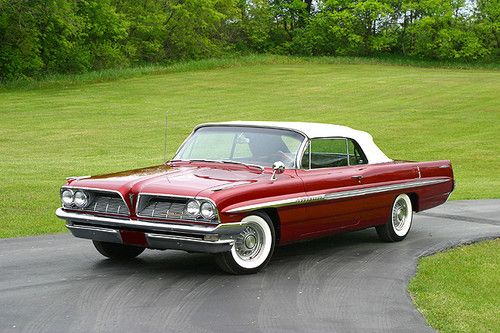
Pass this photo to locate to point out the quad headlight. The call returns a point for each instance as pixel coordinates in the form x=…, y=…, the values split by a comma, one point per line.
x=81, y=199
x=201, y=208
x=72, y=198
x=67, y=198
x=207, y=210
x=193, y=208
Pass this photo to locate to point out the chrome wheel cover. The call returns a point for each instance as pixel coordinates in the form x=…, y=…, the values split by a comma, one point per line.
x=253, y=246
x=399, y=214
x=402, y=215
x=249, y=242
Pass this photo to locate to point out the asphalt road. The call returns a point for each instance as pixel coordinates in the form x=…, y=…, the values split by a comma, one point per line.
x=346, y=283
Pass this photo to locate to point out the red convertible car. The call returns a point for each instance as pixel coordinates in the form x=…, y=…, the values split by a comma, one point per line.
x=239, y=189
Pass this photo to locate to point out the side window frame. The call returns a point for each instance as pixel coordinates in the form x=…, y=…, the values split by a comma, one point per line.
x=356, y=145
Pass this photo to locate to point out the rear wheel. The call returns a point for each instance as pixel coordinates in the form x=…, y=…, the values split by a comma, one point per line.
x=118, y=251
x=253, y=247
x=399, y=222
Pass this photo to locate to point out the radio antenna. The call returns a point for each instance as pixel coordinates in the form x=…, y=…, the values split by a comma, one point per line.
x=165, y=139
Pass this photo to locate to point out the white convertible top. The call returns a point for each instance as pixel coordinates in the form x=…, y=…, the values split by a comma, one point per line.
x=320, y=130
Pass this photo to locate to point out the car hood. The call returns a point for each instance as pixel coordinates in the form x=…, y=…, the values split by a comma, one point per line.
x=183, y=180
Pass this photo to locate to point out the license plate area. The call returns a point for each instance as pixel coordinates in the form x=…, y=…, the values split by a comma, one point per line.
x=130, y=237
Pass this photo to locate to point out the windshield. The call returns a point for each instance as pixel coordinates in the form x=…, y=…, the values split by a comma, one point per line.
x=248, y=145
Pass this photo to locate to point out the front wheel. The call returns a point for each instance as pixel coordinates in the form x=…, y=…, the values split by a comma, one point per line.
x=118, y=251
x=399, y=223
x=253, y=247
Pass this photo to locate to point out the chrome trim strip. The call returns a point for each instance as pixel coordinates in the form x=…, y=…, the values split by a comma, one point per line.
x=190, y=239
x=95, y=233
x=222, y=229
x=336, y=195
x=302, y=149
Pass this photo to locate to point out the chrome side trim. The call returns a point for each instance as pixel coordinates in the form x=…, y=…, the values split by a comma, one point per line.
x=336, y=195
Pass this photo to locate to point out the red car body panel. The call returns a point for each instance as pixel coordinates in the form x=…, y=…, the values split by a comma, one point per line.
x=357, y=197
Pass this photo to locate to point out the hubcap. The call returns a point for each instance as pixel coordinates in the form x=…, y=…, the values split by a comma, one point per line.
x=249, y=242
x=400, y=214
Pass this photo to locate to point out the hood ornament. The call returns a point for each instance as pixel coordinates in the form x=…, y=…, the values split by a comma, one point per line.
x=77, y=178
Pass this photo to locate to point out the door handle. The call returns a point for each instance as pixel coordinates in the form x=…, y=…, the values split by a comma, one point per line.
x=359, y=177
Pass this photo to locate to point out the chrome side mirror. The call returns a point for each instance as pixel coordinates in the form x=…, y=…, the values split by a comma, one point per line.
x=278, y=169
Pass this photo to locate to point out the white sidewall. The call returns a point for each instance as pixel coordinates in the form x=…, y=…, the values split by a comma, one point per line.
x=408, y=218
x=266, y=247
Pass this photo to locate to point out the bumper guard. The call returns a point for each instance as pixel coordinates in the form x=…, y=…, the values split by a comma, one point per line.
x=163, y=236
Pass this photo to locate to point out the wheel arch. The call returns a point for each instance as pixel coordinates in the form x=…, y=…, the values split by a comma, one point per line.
x=414, y=201
x=275, y=219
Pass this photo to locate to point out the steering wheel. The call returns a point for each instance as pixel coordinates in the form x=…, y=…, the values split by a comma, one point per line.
x=287, y=159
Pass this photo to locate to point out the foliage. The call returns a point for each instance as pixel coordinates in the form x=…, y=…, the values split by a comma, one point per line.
x=39, y=37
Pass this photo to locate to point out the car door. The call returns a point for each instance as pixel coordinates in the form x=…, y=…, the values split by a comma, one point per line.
x=328, y=168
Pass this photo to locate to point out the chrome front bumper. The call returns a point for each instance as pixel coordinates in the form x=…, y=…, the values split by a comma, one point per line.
x=192, y=238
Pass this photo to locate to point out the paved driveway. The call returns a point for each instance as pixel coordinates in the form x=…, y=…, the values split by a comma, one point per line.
x=346, y=283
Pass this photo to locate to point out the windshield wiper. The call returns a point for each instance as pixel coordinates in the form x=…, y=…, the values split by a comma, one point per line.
x=248, y=165
x=241, y=163
x=194, y=160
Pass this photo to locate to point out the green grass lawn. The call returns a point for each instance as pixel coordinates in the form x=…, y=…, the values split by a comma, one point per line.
x=459, y=290
x=413, y=113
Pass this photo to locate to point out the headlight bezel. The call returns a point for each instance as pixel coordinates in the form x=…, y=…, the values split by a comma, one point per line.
x=194, y=204
x=86, y=197
x=212, y=209
x=198, y=214
x=72, y=197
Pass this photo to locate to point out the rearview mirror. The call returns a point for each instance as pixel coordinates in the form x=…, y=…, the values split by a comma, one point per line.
x=278, y=169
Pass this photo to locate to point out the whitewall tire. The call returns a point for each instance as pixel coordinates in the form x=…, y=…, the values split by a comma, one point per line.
x=399, y=223
x=253, y=247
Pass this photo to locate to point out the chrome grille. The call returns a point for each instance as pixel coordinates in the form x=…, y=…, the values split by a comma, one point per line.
x=162, y=208
x=104, y=202
x=168, y=208
x=108, y=205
